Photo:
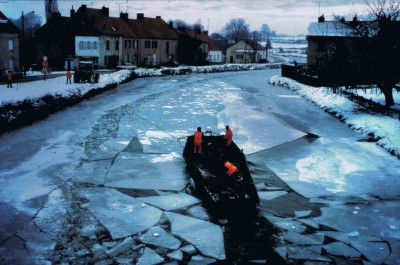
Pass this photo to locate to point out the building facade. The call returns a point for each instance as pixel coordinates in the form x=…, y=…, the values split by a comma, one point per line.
x=9, y=45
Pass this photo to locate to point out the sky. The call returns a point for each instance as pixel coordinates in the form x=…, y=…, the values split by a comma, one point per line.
x=283, y=16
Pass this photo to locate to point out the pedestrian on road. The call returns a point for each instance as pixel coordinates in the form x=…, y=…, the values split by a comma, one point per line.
x=198, y=141
x=69, y=75
x=9, y=79
x=228, y=136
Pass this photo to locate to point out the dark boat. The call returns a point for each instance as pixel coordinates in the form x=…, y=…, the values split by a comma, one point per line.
x=208, y=178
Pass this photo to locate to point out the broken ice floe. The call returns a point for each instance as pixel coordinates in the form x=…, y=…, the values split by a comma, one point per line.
x=205, y=236
x=128, y=172
x=92, y=172
x=157, y=236
x=120, y=214
x=171, y=202
x=149, y=257
x=270, y=195
x=109, y=149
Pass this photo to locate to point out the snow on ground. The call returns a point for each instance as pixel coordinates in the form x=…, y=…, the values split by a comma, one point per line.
x=385, y=129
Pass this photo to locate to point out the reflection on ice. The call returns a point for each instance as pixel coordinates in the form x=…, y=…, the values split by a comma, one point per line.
x=120, y=214
x=205, y=236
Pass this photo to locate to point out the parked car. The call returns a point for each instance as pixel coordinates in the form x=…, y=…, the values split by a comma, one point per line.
x=85, y=72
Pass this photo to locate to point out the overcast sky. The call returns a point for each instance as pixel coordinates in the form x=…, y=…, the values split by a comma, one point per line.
x=284, y=16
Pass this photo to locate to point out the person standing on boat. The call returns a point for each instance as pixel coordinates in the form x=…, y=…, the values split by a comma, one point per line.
x=198, y=141
x=228, y=136
x=232, y=170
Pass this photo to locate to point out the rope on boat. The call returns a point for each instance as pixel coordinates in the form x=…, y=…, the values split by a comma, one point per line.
x=146, y=120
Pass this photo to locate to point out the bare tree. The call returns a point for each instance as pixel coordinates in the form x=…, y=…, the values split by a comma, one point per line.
x=381, y=50
x=386, y=44
x=236, y=29
x=51, y=7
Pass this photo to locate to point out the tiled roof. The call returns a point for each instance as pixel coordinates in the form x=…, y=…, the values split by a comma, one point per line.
x=147, y=28
x=253, y=44
x=203, y=36
x=152, y=28
x=6, y=26
x=68, y=26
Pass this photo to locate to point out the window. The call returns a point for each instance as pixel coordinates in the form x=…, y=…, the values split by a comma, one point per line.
x=239, y=56
x=81, y=45
x=10, y=45
x=11, y=64
x=88, y=45
x=167, y=48
x=108, y=45
x=154, y=44
x=126, y=44
x=135, y=44
x=116, y=45
x=95, y=45
x=147, y=44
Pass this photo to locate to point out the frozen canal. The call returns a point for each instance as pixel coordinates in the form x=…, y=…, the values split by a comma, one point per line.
x=104, y=181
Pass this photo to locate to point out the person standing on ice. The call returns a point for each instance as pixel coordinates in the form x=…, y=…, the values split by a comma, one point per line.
x=9, y=79
x=228, y=136
x=198, y=141
x=69, y=75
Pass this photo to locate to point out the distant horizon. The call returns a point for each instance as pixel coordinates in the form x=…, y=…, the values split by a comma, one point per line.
x=286, y=17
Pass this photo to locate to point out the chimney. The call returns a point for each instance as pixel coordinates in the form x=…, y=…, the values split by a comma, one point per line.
x=205, y=32
x=124, y=16
x=105, y=11
x=321, y=19
x=158, y=17
x=171, y=24
x=83, y=7
x=72, y=12
x=140, y=15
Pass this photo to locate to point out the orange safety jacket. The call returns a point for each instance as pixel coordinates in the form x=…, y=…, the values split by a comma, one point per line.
x=231, y=168
x=228, y=136
x=198, y=137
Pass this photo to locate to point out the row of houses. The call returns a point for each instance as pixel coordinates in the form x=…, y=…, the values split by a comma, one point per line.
x=92, y=34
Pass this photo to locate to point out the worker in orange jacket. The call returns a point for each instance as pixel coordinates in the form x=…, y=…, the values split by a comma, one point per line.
x=228, y=136
x=231, y=169
x=198, y=141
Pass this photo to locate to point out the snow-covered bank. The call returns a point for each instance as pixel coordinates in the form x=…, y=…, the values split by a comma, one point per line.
x=30, y=101
x=383, y=129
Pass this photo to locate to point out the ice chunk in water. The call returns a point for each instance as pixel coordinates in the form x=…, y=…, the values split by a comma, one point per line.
x=205, y=236
x=300, y=239
x=109, y=149
x=157, y=236
x=270, y=195
x=149, y=257
x=171, y=202
x=339, y=249
x=120, y=214
x=92, y=172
